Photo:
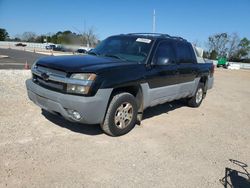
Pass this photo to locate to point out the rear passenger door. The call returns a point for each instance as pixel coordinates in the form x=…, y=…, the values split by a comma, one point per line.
x=187, y=66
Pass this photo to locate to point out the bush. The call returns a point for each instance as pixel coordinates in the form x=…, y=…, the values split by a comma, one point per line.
x=246, y=61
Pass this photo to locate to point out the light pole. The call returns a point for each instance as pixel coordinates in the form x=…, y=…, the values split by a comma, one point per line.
x=154, y=21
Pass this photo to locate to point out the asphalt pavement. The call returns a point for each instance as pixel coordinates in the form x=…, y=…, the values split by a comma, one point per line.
x=16, y=59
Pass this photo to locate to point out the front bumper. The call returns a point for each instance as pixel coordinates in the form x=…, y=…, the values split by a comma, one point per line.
x=92, y=109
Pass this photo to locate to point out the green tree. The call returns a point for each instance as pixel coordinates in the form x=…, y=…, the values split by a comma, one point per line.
x=206, y=54
x=53, y=39
x=213, y=55
x=244, y=47
x=229, y=46
x=3, y=34
x=29, y=36
x=63, y=37
x=218, y=43
x=242, y=50
x=40, y=39
x=233, y=46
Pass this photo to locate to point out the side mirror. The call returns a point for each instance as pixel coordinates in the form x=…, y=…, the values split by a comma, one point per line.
x=163, y=61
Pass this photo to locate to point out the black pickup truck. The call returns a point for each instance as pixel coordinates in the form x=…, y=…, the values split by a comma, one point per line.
x=117, y=80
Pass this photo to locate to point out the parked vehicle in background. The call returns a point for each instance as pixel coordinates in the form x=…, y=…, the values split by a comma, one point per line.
x=117, y=80
x=21, y=44
x=222, y=62
x=50, y=47
x=81, y=51
x=62, y=48
x=58, y=48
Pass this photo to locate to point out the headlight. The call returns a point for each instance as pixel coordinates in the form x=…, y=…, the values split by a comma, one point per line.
x=72, y=88
x=81, y=87
x=83, y=76
x=33, y=67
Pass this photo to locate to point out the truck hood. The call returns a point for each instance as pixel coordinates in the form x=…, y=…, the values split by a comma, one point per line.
x=81, y=63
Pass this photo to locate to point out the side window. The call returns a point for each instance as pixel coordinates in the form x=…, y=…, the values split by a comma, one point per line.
x=184, y=53
x=164, y=53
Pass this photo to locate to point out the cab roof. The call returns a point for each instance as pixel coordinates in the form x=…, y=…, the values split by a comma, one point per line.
x=155, y=36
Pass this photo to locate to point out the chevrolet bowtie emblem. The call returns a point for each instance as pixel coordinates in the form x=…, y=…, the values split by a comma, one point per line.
x=45, y=76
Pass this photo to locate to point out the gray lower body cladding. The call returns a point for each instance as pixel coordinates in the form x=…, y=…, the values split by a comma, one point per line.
x=160, y=95
x=210, y=82
x=92, y=109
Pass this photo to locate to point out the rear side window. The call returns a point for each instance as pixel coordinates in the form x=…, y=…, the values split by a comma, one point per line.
x=184, y=53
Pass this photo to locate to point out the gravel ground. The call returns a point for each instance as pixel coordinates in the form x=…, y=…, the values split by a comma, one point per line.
x=176, y=146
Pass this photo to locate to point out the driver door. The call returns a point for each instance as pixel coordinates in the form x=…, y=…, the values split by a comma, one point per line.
x=163, y=77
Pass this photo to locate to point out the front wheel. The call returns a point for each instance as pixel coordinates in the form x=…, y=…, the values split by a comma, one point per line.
x=196, y=100
x=121, y=115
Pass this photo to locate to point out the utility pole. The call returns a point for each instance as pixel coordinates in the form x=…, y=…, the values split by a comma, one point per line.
x=154, y=21
x=84, y=26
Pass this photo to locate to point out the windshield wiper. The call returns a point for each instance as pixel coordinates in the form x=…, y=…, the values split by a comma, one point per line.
x=114, y=56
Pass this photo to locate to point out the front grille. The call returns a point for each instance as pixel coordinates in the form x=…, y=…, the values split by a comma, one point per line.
x=52, y=71
x=49, y=84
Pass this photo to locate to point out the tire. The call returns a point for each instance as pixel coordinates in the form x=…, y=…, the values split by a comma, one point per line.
x=196, y=100
x=121, y=115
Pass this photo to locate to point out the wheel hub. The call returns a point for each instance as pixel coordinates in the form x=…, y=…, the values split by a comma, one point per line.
x=123, y=115
x=199, y=95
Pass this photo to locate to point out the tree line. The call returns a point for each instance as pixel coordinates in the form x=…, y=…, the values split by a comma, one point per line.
x=229, y=46
x=87, y=38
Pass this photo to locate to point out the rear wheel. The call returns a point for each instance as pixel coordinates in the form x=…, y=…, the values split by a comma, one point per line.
x=121, y=115
x=196, y=100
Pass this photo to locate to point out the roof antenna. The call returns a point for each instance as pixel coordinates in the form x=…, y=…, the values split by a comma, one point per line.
x=154, y=21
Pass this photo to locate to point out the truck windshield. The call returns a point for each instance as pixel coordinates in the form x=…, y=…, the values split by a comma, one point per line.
x=127, y=48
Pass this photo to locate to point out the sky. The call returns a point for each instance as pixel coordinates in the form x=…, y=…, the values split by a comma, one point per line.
x=194, y=20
